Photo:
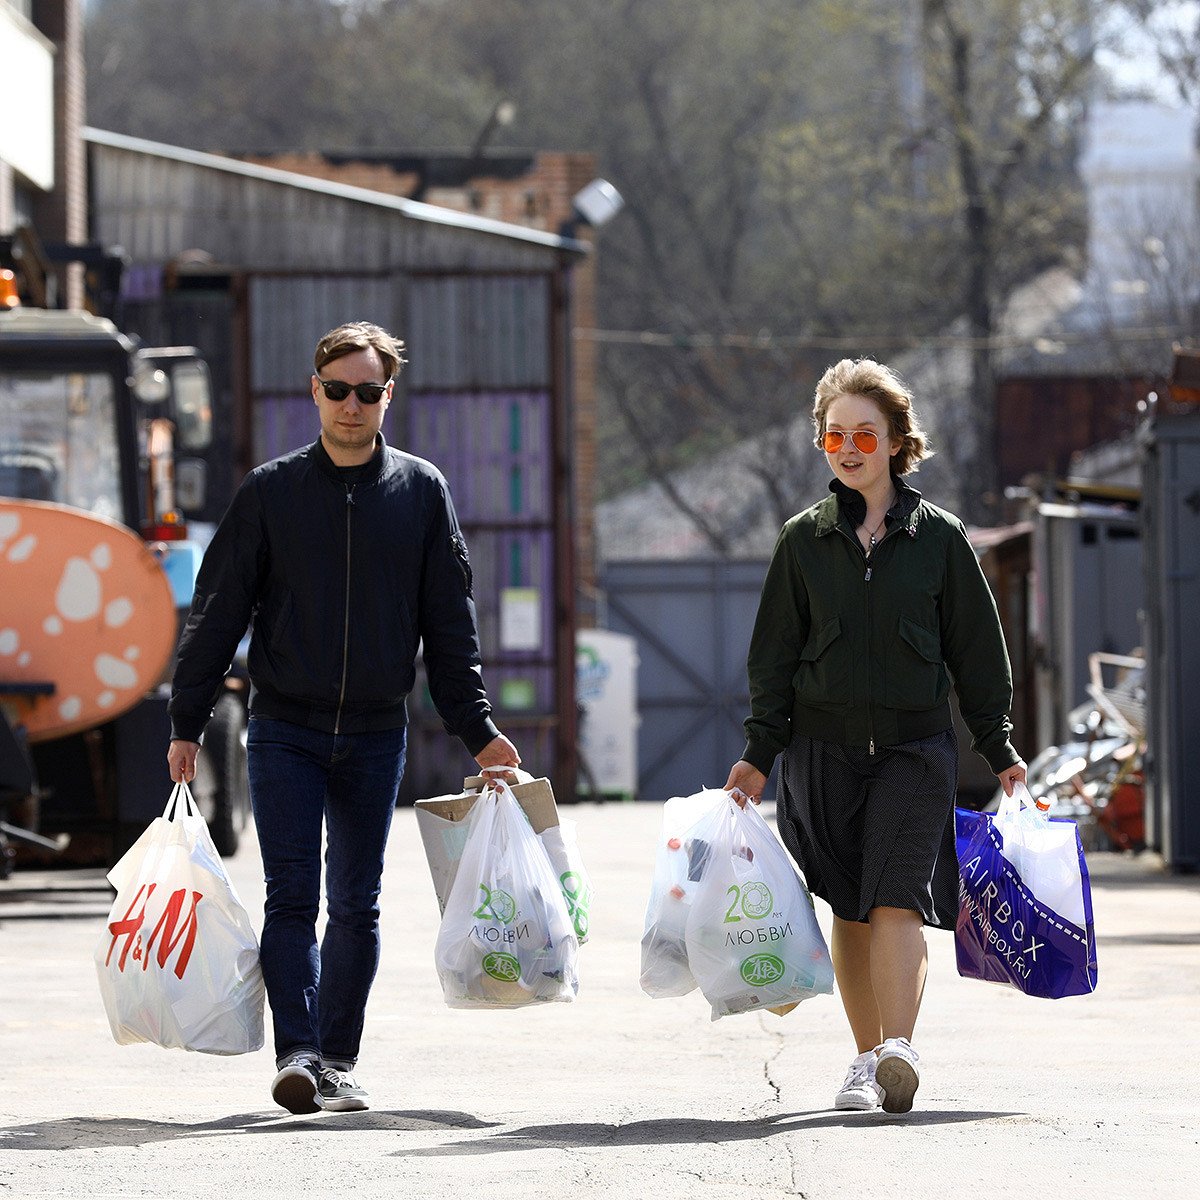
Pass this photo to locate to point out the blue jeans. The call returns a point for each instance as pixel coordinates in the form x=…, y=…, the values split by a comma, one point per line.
x=300, y=778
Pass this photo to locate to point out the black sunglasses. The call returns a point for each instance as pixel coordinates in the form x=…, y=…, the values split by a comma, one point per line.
x=367, y=393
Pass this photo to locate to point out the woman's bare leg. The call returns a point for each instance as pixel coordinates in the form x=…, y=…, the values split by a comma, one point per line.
x=851, y=953
x=899, y=962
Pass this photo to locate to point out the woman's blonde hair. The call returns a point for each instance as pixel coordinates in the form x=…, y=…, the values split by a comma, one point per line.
x=865, y=377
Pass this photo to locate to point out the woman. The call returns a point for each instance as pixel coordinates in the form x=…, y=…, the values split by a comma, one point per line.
x=873, y=598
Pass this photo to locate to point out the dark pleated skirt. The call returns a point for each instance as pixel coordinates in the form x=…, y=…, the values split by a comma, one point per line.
x=877, y=830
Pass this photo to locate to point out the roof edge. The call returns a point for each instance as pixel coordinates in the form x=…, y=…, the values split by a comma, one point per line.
x=413, y=209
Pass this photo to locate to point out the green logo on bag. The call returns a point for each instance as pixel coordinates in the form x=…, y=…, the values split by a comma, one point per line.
x=761, y=969
x=502, y=966
x=497, y=905
x=756, y=900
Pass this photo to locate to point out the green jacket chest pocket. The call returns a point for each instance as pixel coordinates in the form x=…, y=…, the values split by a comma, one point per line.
x=915, y=674
x=823, y=678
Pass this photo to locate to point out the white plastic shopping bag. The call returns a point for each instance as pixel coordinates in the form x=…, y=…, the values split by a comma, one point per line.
x=678, y=863
x=178, y=959
x=1044, y=853
x=562, y=849
x=752, y=936
x=443, y=825
x=506, y=938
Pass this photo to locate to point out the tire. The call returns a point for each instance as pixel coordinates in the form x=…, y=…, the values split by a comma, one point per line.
x=222, y=788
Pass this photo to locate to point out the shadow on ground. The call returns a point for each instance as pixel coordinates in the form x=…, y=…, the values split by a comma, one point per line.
x=75, y=1133
x=92, y=1133
x=684, y=1131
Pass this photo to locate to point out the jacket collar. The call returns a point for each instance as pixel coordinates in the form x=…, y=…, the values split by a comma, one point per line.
x=846, y=502
x=329, y=467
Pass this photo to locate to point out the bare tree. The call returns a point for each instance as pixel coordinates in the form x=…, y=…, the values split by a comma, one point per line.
x=1005, y=84
x=803, y=180
x=1172, y=30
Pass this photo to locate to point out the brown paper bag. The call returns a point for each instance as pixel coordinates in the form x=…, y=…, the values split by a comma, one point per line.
x=442, y=823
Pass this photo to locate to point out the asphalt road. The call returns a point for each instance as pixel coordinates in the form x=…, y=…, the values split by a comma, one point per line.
x=616, y=1094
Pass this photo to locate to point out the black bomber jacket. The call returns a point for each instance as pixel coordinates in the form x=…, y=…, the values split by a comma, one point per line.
x=339, y=583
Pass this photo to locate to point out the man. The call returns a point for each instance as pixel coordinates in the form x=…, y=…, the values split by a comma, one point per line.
x=344, y=554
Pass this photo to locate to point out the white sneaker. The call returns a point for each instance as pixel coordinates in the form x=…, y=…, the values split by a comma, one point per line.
x=897, y=1075
x=860, y=1092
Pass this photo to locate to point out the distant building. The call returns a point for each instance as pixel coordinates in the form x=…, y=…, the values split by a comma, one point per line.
x=42, y=170
x=530, y=188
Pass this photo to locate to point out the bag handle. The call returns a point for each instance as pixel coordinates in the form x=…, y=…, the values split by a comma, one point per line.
x=180, y=794
x=1020, y=800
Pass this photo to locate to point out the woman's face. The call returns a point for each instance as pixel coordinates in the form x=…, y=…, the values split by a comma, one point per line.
x=856, y=468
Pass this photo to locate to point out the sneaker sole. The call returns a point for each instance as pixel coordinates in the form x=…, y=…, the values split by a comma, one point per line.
x=344, y=1104
x=296, y=1090
x=854, y=1104
x=899, y=1081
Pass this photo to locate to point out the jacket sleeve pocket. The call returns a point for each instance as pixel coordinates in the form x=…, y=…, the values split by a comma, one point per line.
x=463, y=559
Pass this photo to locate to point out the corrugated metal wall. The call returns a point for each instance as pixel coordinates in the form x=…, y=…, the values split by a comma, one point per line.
x=1171, y=524
x=159, y=202
x=480, y=406
x=489, y=331
x=288, y=315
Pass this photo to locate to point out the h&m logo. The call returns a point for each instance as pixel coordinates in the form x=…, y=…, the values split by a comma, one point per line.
x=172, y=933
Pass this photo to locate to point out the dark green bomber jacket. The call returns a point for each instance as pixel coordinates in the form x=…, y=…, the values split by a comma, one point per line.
x=856, y=651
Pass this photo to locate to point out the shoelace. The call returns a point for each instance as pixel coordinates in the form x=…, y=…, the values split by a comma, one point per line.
x=858, y=1075
x=338, y=1078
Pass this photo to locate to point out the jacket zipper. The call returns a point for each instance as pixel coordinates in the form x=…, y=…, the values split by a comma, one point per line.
x=337, y=723
x=870, y=708
x=867, y=579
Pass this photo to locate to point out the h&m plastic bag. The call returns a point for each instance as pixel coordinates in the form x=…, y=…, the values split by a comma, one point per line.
x=178, y=960
x=1025, y=902
x=506, y=939
x=752, y=935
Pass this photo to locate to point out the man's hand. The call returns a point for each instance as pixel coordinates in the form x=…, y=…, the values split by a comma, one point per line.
x=181, y=758
x=499, y=752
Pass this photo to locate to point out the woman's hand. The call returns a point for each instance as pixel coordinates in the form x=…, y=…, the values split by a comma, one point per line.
x=746, y=782
x=1014, y=774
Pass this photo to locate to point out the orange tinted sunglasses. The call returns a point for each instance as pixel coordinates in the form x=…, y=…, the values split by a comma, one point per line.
x=865, y=441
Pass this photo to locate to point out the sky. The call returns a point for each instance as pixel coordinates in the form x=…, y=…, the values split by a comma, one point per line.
x=1136, y=65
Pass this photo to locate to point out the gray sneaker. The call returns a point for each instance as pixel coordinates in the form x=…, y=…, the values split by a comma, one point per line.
x=295, y=1087
x=339, y=1091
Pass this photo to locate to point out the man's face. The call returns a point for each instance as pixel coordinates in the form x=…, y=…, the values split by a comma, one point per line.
x=348, y=427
